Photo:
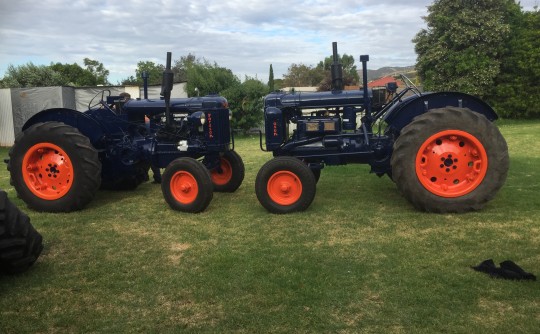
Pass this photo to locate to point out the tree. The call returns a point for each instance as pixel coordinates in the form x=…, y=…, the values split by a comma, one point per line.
x=300, y=75
x=271, y=79
x=208, y=78
x=30, y=75
x=463, y=43
x=98, y=71
x=350, y=72
x=154, y=71
x=517, y=92
x=246, y=102
x=181, y=66
x=245, y=99
x=74, y=75
x=278, y=84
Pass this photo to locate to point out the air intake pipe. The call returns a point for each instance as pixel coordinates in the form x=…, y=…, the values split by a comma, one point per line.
x=336, y=69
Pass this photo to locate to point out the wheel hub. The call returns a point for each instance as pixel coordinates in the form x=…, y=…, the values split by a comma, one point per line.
x=284, y=188
x=47, y=171
x=451, y=163
x=184, y=187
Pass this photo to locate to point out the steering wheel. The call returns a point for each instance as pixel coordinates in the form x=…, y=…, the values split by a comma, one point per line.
x=101, y=100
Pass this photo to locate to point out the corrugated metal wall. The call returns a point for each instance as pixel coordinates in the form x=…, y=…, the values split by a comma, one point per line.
x=26, y=102
x=179, y=91
x=85, y=95
x=7, y=133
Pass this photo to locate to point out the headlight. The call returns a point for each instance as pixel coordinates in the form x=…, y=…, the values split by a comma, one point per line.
x=202, y=118
x=198, y=118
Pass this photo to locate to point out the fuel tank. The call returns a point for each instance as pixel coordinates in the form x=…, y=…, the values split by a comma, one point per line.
x=328, y=99
x=150, y=107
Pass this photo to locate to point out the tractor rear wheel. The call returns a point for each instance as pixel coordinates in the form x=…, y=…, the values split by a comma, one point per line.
x=187, y=186
x=284, y=185
x=450, y=160
x=54, y=167
x=230, y=174
x=20, y=243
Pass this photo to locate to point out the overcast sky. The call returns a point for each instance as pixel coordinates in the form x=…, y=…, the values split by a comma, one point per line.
x=245, y=36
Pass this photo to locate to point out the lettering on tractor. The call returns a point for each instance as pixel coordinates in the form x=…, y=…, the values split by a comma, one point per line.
x=440, y=148
x=63, y=156
x=210, y=126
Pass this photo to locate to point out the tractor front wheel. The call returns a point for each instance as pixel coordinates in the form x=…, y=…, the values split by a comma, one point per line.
x=230, y=173
x=54, y=167
x=187, y=186
x=450, y=160
x=284, y=185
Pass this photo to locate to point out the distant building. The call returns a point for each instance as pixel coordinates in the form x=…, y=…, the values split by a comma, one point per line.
x=381, y=82
x=306, y=89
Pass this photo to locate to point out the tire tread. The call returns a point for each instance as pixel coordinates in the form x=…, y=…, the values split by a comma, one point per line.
x=20, y=243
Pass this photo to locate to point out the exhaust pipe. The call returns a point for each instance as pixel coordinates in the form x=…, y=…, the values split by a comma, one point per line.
x=166, y=88
x=336, y=69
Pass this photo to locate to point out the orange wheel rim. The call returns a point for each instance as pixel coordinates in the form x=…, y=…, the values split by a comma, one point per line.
x=451, y=163
x=284, y=188
x=47, y=171
x=223, y=177
x=184, y=187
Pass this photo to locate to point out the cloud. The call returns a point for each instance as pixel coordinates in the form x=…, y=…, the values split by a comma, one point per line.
x=244, y=36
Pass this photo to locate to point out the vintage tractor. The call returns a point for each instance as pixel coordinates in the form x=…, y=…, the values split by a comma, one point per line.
x=63, y=156
x=441, y=149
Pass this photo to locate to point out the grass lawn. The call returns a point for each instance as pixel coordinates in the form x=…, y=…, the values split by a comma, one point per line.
x=360, y=259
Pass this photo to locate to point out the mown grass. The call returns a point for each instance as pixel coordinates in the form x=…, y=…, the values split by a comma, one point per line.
x=360, y=259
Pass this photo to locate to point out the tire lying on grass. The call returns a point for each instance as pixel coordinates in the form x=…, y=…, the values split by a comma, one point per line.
x=20, y=243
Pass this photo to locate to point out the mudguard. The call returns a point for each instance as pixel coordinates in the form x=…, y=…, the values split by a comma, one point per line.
x=403, y=112
x=84, y=123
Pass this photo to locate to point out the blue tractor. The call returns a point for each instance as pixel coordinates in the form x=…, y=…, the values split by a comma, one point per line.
x=441, y=149
x=62, y=156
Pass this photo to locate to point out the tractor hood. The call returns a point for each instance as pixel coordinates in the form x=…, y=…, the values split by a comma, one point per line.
x=337, y=98
x=178, y=105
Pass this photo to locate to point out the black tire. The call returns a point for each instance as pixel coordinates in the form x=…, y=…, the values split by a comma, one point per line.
x=187, y=186
x=20, y=243
x=229, y=176
x=64, y=176
x=316, y=174
x=450, y=160
x=294, y=176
